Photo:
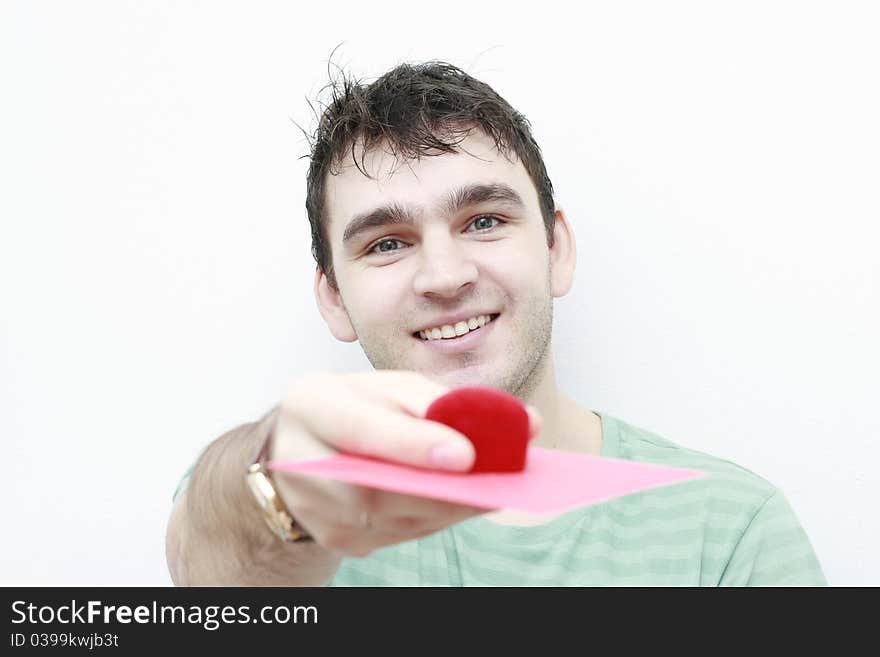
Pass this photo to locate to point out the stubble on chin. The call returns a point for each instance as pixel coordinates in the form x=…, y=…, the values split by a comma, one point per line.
x=519, y=371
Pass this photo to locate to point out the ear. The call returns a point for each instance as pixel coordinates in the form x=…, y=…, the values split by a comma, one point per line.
x=332, y=309
x=563, y=256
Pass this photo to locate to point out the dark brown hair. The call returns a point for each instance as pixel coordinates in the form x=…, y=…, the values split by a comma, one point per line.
x=414, y=111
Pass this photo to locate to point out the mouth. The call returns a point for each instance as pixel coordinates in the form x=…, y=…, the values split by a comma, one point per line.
x=451, y=333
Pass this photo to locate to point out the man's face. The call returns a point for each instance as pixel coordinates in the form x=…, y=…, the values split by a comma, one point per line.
x=433, y=256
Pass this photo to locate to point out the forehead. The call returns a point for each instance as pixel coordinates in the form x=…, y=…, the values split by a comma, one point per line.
x=419, y=182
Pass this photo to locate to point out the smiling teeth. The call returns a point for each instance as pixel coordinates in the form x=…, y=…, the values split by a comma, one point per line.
x=453, y=331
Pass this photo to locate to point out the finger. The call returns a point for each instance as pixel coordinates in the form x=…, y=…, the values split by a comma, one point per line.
x=356, y=425
x=341, y=503
x=534, y=420
x=334, y=514
x=409, y=392
x=385, y=505
x=414, y=392
x=316, y=501
x=385, y=530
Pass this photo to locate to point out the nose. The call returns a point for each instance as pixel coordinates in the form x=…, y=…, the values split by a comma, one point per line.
x=445, y=268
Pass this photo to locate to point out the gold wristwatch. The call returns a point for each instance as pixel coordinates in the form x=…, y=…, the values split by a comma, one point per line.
x=275, y=513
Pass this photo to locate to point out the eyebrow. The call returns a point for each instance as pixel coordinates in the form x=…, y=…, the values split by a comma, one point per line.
x=457, y=199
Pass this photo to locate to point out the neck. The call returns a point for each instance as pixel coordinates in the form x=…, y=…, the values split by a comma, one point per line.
x=565, y=425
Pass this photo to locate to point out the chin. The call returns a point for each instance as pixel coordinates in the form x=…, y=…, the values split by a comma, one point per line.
x=464, y=377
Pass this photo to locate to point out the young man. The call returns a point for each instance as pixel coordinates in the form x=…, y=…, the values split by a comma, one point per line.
x=439, y=248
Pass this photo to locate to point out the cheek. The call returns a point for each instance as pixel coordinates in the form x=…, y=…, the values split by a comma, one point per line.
x=374, y=298
x=519, y=271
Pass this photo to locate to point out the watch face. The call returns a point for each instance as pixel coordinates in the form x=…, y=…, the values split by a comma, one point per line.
x=257, y=483
x=276, y=517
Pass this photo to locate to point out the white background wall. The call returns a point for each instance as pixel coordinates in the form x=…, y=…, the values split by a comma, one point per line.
x=719, y=162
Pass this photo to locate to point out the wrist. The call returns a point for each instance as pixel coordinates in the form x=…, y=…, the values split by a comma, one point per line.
x=265, y=492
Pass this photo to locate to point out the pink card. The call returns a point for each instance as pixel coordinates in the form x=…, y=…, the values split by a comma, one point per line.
x=551, y=481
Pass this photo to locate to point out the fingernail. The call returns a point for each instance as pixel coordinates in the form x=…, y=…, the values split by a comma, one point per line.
x=450, y=456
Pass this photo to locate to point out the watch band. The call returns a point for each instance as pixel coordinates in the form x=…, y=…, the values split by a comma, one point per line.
x=276, y=515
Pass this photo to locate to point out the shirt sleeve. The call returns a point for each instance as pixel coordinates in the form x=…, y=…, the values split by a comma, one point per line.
x=184, y=481
x=774, y=550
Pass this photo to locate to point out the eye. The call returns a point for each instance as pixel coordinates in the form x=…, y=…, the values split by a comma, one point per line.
x=483, y=222
x=384, y=246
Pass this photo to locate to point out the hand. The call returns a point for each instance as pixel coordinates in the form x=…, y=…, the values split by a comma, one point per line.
x=378, y=414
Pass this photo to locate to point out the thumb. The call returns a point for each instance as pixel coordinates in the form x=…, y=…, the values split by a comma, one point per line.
x=534, y=421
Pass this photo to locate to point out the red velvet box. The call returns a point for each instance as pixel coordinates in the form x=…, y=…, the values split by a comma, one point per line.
x=496, y=422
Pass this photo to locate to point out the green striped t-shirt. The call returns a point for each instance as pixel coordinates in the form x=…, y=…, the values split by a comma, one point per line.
x=731, y=528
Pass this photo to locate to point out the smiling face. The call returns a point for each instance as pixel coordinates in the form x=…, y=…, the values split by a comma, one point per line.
x=436, y=242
